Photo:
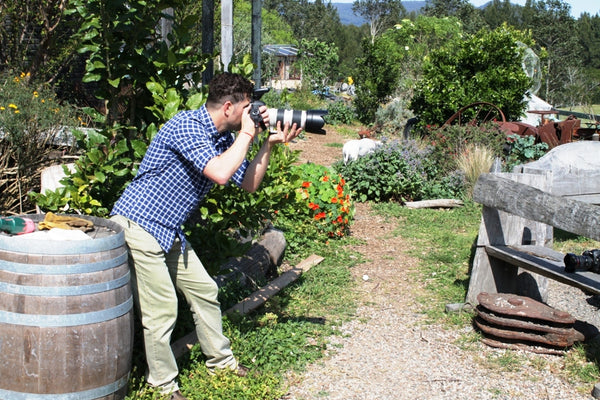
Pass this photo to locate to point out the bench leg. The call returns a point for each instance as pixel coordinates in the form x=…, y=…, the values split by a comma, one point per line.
x=496, y=276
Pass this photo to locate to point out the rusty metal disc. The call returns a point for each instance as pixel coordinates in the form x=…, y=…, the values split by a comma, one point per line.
x=525, y=324
x=519, y=306
x=547, y=338
x=520, y=346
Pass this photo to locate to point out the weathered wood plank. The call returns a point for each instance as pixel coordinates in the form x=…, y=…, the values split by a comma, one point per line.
x=528, y=202
x=546, y=262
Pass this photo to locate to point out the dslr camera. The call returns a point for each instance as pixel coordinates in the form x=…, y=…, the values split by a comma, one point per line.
x=311, y=121
x=589, y=260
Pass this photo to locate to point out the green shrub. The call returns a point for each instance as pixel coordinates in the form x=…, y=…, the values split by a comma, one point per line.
x=339, y=112
x=100, y=175
x=394, y=171
x=395, y=58
x=392, y=118
x=485, y=67
x=445, y=186
x=523, y=149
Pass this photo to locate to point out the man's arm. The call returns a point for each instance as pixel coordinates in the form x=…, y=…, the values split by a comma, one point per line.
x=221, y=168
x=257, y=168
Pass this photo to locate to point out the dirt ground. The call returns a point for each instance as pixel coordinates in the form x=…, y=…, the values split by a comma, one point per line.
x=321, y=149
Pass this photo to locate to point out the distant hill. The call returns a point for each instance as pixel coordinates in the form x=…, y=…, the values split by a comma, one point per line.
x=347, y=17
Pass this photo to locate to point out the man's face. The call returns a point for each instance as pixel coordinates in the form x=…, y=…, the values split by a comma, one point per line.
x=236, y=113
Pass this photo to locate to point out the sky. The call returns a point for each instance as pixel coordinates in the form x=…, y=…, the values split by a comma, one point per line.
x=577, y=6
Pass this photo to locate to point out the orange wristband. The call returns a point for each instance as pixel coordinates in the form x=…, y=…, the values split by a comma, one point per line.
x=249, y=134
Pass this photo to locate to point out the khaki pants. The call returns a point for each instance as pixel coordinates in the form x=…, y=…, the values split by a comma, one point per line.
x=156, y=276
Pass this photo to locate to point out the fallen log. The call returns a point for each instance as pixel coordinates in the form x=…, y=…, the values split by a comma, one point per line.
x=437, y=203
x=259, y=262
x=253, y=301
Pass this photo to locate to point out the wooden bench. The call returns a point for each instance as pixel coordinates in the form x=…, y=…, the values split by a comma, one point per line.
x=516, y=234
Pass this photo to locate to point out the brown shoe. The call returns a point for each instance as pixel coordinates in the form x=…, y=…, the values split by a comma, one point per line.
x=242, y=371
x=177, y=396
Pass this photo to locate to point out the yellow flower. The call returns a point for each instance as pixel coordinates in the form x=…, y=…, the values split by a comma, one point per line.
x=17, y=80
x=35, y=94
x=17, y=111
x=11, y=105
x=22, y=74
x=2, y=108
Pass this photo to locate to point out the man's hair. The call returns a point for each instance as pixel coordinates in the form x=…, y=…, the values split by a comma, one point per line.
x=228, y=86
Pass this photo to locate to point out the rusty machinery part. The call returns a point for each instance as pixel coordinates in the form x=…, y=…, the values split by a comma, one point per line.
x=482, y=112
x=549, y=132
x=508, y=320
x=521, y=306
x=476, y=114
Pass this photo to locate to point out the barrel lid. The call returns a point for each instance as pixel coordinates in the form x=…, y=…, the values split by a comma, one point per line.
x=107, y=235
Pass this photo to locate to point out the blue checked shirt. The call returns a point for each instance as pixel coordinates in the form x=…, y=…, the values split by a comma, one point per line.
x=170, y=184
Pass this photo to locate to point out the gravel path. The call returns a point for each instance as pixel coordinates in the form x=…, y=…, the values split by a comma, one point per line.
x=388, y=352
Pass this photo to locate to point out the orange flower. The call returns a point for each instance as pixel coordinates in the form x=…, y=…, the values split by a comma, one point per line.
x=305, y=184
x=319, y=216
x=334, y=199
x=339, y=219
x=313, y=206
x=325, y=179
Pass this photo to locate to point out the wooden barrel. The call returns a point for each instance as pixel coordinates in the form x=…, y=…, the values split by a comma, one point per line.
x=66, y=316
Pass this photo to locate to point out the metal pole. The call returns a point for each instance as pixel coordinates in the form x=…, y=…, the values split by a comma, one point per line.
x=208, y=37
x=256, y=40
x=226, y=33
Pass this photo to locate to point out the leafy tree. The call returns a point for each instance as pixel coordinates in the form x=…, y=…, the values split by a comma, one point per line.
x=143, y=79
x=36, y=38
x=274, y=29
x=380, y=14
x=125, y=51
x=554, y=30
x=350, y=50
x=502, y=11
x=316, y=59
x=588, y=28
x=308, y=19
x=483, y=67
x=463, y=10
x=393, y=63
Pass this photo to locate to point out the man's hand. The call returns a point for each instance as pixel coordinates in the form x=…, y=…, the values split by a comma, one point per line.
x=286, y=134
x=249, y=125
